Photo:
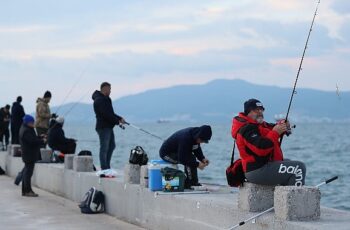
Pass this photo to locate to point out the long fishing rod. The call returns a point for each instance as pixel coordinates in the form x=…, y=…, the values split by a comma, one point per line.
x=271, y=209
x=145, y=131
x=72, y=88
x=76, y=103
x=300, y=66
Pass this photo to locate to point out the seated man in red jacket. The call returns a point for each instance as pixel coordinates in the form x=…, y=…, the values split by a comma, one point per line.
x=259, y=148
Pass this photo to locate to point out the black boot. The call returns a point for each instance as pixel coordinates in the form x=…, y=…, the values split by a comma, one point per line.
x=191, y=177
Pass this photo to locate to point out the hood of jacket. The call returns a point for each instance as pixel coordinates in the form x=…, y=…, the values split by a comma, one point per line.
x=97, y=94
x=240, y=121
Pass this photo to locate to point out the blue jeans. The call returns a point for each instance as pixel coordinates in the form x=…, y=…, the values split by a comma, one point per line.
x=107, y=146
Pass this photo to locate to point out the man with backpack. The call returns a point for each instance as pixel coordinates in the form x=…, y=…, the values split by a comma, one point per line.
x=184, y=147
x=260, y=151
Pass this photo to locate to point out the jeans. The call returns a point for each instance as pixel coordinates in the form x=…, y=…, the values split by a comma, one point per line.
x=27, y=177
x=107, y=146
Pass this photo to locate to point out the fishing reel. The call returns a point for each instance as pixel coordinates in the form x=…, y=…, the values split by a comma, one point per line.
x=291, y=126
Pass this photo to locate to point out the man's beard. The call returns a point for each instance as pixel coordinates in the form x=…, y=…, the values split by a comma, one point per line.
x=259, y=119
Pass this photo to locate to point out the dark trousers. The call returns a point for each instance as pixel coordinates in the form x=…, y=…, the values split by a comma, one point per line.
x=107, y=146
x=15, y=134
x=67, y=148
x=191, y=172
x=279, y=173
x=27, y=177
x=5, y=133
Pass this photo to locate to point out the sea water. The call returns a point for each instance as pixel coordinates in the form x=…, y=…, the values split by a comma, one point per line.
x=324, y=148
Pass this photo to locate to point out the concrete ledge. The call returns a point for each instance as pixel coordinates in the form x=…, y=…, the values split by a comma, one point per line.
x=46, y=155
x=144, y=176
x=68, y=161
x=297, y=203
x=137, y=205
x=255, y=198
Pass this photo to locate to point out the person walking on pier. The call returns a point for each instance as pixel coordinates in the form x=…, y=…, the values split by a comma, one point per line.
x=184, y=147
x=5, y=118
x=30, y=144
x=17, y=114
x=260, y=151
x=106, y=119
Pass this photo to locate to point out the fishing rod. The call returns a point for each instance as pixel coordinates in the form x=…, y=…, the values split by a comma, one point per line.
x=72, y=88
x=145, y=131
x=271, y=209
x=300, y=66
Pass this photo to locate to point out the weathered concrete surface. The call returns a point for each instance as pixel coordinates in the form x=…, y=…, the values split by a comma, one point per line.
x=46, y=155
x=297, y=203
x=48, y=212
x=68, y=161
x=255, y=198
x=83, y=164
x=132, y=173
x=144, y=176
x=131, y=203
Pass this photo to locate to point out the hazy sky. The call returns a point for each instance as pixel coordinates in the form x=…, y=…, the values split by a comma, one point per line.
x=139, y=45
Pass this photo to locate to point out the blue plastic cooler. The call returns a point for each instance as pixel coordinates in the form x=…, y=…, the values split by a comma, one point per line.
x=154, y=174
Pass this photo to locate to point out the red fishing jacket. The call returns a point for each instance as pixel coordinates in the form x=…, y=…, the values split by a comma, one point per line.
x=257, y=143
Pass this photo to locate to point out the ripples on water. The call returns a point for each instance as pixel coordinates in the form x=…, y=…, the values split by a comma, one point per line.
x=324, y=148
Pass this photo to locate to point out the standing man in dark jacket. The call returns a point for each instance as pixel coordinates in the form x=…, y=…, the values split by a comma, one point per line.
x=184, y=147
x=17, y=114
x=106, y=119
x=30, y=145
x=58, y=141
x=5, y=118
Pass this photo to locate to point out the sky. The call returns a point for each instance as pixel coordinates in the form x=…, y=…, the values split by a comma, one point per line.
x=141, y=45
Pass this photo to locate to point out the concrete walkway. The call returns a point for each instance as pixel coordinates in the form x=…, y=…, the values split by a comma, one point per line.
x=48, y=212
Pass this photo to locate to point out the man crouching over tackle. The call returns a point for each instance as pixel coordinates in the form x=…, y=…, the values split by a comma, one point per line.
x=258, y=143
x=184, y=147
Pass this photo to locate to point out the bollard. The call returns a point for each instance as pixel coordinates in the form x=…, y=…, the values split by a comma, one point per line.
x=297, y=203
x=132, y=174
x=254, y=197
x=46, y=155
x=144, y=176
x=68, y=161
x=83, y=164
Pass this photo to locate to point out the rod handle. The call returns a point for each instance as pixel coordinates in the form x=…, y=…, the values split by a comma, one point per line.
x=332, y=179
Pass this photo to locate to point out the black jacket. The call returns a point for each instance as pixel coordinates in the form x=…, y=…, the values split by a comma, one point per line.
x=183, y=143
x=4, y=125
x=56, y=137
x=30, y=144
x=105, y=116
x=17, y=114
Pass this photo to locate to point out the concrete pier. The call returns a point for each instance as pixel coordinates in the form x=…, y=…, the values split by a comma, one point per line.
x=137, y=205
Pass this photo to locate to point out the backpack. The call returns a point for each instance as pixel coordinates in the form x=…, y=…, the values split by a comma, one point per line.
x=138, y=156
x=234, y=173
x=93, y=202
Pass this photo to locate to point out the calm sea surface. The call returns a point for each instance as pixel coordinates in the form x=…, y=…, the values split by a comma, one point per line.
x=325, y=149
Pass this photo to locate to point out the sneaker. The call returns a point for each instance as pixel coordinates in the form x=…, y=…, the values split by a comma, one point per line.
x=30, y=194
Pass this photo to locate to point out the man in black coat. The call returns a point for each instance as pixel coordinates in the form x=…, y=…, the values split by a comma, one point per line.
x=57, y=139
x=106, y=119
x=184, y=147
x=30, y=144
x=5, y=118
x=17, y=114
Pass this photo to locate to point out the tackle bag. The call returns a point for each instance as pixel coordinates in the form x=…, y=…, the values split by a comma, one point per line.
x=93, y=202
x=234, y=173
x=138, y=156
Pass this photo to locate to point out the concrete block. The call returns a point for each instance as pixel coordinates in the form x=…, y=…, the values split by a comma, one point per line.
x=297, y=203
x=16, y=151
x=83, y=164
x=68, y=161
x=255, y=198
x=46, y=155
x=132, y=174
x=9, y=148
x=144, y=176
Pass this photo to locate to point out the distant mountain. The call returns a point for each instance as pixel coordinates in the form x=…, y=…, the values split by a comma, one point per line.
x=218, y=101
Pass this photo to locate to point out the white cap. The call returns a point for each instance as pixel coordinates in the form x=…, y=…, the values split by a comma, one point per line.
x=60, y=120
